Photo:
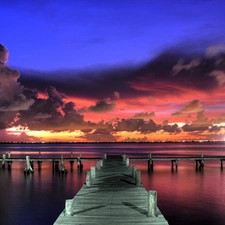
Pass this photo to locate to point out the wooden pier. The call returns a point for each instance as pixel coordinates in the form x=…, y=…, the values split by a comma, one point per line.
x=112, y=194
x=58, y=163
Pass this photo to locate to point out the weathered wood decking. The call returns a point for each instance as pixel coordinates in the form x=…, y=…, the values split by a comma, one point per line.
x=112, y=198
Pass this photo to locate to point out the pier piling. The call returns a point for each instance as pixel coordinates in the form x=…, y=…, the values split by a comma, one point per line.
x=134, y=169
x=152, y=203
x=68, y=207
x=88, y=179
x=3, y=160
x=127, y=162
x=150, y=163
x=79, y=163
x=138, y=178
x=9, y=161
x=28, y=168
x=93, y=171
x=62, y=168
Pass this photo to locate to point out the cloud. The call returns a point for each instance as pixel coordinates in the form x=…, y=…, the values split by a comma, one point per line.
x=12, y=98
x=21, y=103
x=181, y=66
x=192, y=107
x=194, y=128
x=23, y=137
x=149, y=127
x=53, y=94
x=154, y=78
x=101, y=106
x=144, y=116
x=171, y=128
x=100, y=135
x=48, y=114
x=215, y=50
x=219, y=119
x=202, y=120
x=116, y=95
x=3, y=54
x=129, y=125
x=201, y=123
x=214, y=129
x=128, y=139
x=219, y=75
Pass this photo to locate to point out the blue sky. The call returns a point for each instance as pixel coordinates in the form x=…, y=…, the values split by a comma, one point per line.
x=48, y=35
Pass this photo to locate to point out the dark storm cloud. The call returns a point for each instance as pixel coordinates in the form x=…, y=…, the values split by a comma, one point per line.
x=101, y=106
x=12, y=98
x=169, y=74
x=52, y=114
x=96, y=83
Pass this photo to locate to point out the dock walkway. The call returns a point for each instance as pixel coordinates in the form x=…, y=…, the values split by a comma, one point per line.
x=112, y=197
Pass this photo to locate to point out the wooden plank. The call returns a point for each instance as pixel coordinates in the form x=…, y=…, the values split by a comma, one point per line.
x=112, y=198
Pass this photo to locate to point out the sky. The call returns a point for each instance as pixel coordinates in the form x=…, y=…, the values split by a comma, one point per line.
x=111, y=71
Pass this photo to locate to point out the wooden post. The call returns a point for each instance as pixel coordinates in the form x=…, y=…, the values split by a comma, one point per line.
x=9, y=161
x=202, y=161
x=56, y=165
x=172, y=163
x=105, y=156
x=3, y=161
x=134, y=169
x=39, y=162
x=152, y=203
x=150, y=163
x=93, y=171
x=62, y=167
x=68, y=207
x=127, y=162
x=28, y=167
x=98, y=165
x=79, y=163
x=124, y=157
x=88, y=179
x=71, y=161
x=138, y=178
x=196, y=164
x=101, y=162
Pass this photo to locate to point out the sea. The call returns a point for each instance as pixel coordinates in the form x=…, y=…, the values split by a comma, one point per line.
x=186, y=195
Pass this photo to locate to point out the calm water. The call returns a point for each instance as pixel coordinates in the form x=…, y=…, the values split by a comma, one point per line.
x=185, y=196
